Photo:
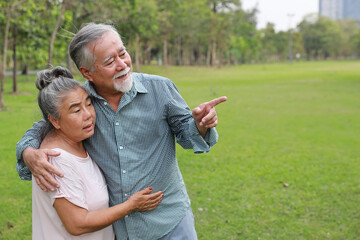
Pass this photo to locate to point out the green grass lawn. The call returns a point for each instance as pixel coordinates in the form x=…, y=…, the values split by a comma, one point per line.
x=286, y=165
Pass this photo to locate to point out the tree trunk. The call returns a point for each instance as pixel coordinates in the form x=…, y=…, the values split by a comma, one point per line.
x=170, y=56
x=14, y=59
x=192, y=54
x=3, y=64
x=137, y=51
x=148, y=53
x=213, y=53
x=201, y=56
x=208, y=54
x=186, y=56
x=2, y=79
x=53, y=35
x=165, y=52
x=68, y=60
x=219, y=59
x=3, y=67
x=179, y=52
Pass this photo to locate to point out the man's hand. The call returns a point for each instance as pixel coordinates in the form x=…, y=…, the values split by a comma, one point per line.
x=205, y=115
x=37, y=161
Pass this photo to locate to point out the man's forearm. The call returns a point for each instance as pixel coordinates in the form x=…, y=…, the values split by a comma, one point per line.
x=30, y=139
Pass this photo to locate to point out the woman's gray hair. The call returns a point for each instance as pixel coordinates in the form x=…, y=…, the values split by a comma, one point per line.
x=53, y=85
x=79, y=52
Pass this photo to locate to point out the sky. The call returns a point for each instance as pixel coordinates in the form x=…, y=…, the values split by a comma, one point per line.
x=283, y=13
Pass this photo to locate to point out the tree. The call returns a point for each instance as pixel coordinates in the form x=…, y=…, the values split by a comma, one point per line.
x=144, y=23
x=355, y=41
x=298, y=47
x=166, y=13
x=53, y=35
x=192, y=24
x=321, y=37
x=349, y=29
x=21, y=14
x=281, y=44
x=15, y=34
x=245, y=41
x=181, y=32
x=218, y=23
x=11, y=6
x=137, y=23
x=268, y=49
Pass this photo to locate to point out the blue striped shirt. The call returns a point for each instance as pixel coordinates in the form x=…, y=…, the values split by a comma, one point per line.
x=135, y=149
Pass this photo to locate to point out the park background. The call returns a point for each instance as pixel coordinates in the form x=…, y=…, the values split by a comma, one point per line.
x=287, y=162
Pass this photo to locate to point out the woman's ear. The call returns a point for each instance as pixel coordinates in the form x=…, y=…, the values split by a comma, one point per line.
x=86, y=73
x=54, y=122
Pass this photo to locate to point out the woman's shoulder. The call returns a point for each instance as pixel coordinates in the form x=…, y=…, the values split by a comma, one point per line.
x=64, y=154
x=67, y=161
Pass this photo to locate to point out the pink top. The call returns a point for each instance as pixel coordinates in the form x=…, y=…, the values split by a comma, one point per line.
x=83, y=185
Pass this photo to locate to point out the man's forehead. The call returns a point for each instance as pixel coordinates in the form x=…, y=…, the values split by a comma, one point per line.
x=105, y=40
x=104, y=50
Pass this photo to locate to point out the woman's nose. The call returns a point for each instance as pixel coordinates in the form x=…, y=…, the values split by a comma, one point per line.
x=87, y=113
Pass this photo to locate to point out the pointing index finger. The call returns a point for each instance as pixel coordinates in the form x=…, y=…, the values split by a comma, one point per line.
x=216, y=101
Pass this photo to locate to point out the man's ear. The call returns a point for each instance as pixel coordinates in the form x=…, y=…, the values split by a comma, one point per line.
x=86, y=73
x=54, y=122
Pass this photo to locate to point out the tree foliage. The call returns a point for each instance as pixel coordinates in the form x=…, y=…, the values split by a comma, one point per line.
x=321, y=38
x=178, y=32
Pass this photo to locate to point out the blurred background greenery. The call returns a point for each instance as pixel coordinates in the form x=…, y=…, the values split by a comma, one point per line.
x=287, y=162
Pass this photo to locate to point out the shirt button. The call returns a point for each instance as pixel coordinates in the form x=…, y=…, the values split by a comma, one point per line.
x=124, y=171
x=125, y=194
x=121, y=147
x=117, y=123
x=105, y=103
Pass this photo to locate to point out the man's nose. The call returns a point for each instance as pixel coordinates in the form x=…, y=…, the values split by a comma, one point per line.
x=120, y=63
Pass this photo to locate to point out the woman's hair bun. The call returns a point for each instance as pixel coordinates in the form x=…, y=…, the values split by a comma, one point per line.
x=46, y=77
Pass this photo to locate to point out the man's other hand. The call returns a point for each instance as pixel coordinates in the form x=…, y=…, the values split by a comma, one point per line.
x=205, y=115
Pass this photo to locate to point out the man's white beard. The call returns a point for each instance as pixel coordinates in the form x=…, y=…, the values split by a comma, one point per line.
x=125, y=85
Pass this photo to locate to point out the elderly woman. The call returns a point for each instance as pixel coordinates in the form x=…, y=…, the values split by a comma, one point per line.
x=80, y=205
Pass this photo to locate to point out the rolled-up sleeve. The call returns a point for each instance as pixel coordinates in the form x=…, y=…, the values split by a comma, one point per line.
x=199, y=143
x=183, y=124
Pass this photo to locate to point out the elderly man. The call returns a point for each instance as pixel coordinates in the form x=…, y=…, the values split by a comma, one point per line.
x=138, y=117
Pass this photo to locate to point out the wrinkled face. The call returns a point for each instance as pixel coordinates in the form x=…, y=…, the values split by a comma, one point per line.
x=112, y=67
x=77, y=116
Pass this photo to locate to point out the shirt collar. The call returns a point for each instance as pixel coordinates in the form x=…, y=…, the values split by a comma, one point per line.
x=137, y=87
